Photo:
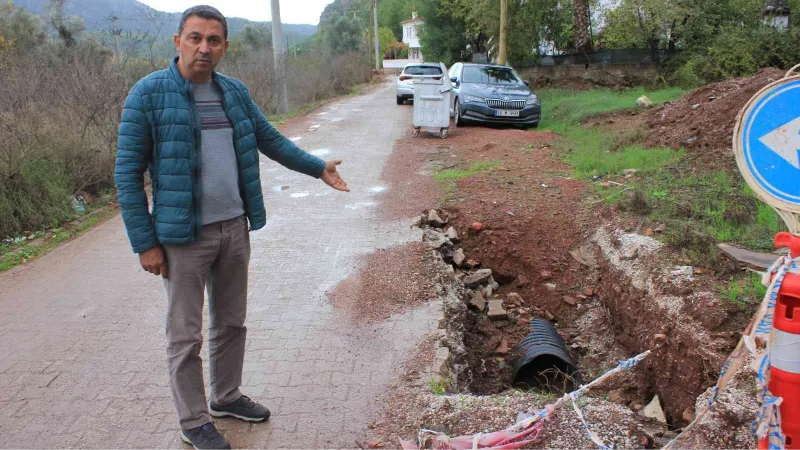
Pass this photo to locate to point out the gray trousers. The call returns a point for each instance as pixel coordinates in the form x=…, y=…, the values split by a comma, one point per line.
x=219, y=261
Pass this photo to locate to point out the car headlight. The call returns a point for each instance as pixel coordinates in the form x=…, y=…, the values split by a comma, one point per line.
x=532, y=100
x=473, y=99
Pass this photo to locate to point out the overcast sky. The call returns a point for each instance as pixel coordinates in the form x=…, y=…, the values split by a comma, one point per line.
x=292, y=11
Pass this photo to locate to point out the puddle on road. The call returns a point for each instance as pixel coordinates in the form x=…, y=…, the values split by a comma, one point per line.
x=280, y=188
x=321, y=152
x=295, y=138
x=361, y=205
x=377, y=189
x=300, y=194
x=314, y=127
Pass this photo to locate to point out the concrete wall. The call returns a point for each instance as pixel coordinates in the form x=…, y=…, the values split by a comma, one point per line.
x=398, y=64
x=602, y=74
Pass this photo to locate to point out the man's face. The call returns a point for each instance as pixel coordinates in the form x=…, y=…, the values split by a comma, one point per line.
x=201, y=47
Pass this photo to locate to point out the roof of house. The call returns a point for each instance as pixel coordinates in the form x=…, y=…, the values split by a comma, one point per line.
x=418, y=19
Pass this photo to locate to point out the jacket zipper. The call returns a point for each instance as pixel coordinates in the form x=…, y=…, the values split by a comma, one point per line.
x=196, y=164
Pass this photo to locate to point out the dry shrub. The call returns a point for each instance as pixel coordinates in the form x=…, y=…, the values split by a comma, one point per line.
x=58, y=122
x=311, y=77
x=60, y=111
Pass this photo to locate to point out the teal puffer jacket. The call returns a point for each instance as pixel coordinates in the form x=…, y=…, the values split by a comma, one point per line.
x=160, y=131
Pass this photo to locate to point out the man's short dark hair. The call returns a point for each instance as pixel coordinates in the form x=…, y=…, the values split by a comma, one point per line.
x=204, y=12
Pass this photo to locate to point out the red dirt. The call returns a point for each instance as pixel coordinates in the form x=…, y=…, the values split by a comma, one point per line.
x=529, y=208
x=390, y=281
x=707, y=130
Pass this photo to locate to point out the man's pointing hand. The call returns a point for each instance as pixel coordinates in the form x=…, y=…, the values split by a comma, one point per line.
x=331, y=177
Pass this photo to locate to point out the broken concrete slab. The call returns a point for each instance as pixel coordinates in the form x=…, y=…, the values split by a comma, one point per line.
x=452, y=234
x=459, y=257
x=477, y=278
x=435, y=239
x=478, y=302
x=451, y=273
x=434, y=219
x=654, y=411
x=584, y=255
x=755, y=259
x=496, y=310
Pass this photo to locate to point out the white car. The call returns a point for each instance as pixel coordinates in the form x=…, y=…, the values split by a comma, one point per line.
x=405, y=82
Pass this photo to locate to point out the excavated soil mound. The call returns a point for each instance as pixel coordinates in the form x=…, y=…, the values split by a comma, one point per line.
x=703, y=121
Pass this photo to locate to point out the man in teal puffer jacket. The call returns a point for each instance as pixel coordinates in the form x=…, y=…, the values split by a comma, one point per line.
x=199, y=133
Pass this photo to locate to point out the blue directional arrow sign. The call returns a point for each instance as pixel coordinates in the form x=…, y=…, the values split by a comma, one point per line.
x=770, y=140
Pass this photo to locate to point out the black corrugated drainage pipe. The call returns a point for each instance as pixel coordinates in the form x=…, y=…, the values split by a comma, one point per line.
x=542, y=361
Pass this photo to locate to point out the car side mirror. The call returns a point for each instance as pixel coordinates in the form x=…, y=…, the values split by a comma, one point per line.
x=454, y=80
x=527, y=83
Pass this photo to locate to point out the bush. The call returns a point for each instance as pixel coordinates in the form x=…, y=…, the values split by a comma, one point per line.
x=60, y=113
x=738, y=52
x=60, y=110
x=311, y=77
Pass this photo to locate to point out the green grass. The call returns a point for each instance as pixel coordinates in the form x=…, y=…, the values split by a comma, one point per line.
x=745, y=290
x=713, y=203
x=598, y=152
x=700, y=208
x=591, y=152
x=562, y=108
x=456, y=174
x=437, y=387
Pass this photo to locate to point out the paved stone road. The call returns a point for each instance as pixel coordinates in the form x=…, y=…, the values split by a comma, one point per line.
x=82, y=359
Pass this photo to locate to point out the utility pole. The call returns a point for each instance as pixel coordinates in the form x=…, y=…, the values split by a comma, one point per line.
x=502, y=57
x=116, y=39
x=279, y=57
x=377, y=39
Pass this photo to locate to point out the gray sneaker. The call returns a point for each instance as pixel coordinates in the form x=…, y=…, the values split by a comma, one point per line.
x=243, y=408
x=204, y=437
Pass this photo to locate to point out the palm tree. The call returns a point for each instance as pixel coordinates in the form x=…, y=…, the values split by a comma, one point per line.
x=583, y=43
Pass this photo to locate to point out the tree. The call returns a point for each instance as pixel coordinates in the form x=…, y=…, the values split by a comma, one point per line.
x=583, y=42
x=20, y=29
x=392, y=12
x=443, y=37
x=344, y=35
x=386, y=38
x=255, y=37
x=67, y=27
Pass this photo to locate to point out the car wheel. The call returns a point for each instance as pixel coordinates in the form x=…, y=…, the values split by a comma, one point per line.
x=458, y=121
x=399, y=100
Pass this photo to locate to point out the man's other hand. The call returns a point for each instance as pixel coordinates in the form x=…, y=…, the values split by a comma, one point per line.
x=153, y=261
x=331, y=177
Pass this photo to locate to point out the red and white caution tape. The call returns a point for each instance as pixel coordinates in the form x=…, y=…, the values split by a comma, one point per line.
x=523, y=432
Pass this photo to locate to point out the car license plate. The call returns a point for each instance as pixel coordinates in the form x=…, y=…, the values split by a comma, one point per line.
x=506, y=113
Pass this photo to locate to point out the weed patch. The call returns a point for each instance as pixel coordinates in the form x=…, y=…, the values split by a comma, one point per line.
x=455, y=174
x=437, y=387
x=745, y=290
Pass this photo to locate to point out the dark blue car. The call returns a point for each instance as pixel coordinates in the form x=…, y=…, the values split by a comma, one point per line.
x=487, y=93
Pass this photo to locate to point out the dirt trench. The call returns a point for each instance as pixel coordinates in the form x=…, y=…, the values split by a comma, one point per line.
x=532, y=216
